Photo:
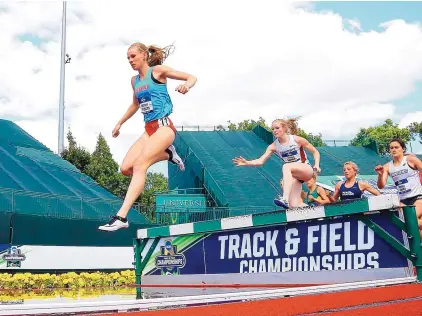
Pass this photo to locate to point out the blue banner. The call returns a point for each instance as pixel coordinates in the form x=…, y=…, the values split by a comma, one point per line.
x=338, y=244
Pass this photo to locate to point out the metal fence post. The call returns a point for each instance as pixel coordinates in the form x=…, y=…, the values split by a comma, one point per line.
x=137, y=263
x=414, y=238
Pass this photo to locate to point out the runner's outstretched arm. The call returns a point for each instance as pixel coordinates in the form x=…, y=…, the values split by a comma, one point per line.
x=240, y=161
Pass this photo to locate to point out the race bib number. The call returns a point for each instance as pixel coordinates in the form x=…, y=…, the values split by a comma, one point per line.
x=402, y=189
x=289, y=158
x=145, y=103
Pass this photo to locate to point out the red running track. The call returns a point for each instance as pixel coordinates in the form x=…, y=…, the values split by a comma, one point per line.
x=394, y=300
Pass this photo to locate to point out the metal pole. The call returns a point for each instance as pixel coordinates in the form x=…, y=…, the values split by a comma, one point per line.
x=62, y=79
x=138, y=272
x=415, y=245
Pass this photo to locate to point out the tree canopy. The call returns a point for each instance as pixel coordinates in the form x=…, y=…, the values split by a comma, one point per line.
x=382, y=134
x=248, y=125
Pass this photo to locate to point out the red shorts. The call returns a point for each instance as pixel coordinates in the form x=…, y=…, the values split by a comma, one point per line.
x=153, y=126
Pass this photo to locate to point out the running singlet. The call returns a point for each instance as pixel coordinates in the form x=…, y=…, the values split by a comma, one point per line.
x=406, y=179
x=352, y=193
x=291, y=152
x=313, y=194
x=153, y=98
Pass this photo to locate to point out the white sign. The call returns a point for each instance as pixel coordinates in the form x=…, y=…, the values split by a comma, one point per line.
x=67, y=257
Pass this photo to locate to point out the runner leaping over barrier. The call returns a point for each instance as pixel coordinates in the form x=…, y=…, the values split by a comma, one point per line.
x=366, y=240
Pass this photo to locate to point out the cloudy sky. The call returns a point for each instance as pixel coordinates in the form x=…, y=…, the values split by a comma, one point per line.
x=340, y=66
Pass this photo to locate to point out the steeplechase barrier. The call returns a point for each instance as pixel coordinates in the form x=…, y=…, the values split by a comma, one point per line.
x=364, y=240
x=362, y=244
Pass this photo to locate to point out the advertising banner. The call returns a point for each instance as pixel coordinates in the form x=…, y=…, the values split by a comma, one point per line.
x=178, y=208
x=64, y=258
x=187, y=201
x=341, y=244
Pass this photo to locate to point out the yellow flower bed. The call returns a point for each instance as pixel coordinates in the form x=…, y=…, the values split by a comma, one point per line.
x=12, y=295
x=69, y=280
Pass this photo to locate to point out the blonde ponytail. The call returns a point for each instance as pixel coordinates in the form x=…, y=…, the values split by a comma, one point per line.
x=156, y=55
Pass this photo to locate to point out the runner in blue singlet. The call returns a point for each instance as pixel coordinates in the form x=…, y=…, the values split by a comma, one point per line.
x=351, y=188
x=151, y=96
x=350, y=193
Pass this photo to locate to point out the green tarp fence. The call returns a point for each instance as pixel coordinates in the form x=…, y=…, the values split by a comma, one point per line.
x=41, y=230
x=5, y=227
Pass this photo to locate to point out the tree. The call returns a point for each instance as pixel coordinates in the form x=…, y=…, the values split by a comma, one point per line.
x=155, y=182
x=118, y=184
x=103, y=169
x=315, y=140
x=382, y=134
x=248, y=125
x=75, y=154
x=416, y=128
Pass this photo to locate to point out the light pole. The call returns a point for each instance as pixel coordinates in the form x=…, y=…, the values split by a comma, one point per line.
x=65, y=59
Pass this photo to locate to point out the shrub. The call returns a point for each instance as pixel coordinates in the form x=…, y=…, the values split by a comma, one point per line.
x=70, y=280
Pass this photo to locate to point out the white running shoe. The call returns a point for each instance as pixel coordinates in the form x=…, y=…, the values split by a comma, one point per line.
x=175, y=158
x=115, y=223
x=280, y=201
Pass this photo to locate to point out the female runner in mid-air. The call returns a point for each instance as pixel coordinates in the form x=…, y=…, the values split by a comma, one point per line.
x=404, y=169
x=296, y=167
x=151, y=96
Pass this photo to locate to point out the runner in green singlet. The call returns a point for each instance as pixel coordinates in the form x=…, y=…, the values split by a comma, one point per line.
x=315, y=194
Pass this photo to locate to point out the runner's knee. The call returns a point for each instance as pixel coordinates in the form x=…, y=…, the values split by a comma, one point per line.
x=144, y=161
x=126, y=170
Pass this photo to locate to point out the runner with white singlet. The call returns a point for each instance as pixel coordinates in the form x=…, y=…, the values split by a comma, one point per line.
x=404, y=169
x=296, y=168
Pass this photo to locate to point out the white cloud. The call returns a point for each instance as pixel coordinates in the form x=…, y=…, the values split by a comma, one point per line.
x=271, y=60
x=354, y=24
x=345, y=120
x=410, y=118
x=414, y=146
